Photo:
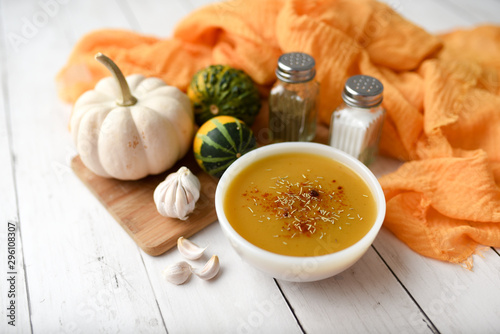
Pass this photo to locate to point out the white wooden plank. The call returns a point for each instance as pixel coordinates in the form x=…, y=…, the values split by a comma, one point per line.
x=364, y=298
x=431, y=15
x=81, y=17
x=443, y=16
x=162, y=24
x=15, y=317
x=239, y=300
x=84, y=273
x=476, y=12
x=455, y=299
x=194, y=4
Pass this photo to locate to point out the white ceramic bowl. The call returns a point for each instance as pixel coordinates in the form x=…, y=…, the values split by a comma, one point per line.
x=295, y=268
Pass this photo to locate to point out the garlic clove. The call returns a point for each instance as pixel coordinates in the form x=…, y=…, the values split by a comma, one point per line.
x=188, y=249
x=209, y=270
x=177, y=273
x=177, y=195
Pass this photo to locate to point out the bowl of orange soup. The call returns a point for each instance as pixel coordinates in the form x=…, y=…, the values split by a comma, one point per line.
x=299, y=211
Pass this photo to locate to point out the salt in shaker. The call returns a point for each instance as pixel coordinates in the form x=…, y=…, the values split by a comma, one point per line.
x=356, y=125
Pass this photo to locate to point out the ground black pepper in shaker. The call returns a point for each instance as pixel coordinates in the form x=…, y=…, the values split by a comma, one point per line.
x=293, y=99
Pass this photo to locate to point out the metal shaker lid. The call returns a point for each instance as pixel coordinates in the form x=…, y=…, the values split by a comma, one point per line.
x=295, y=67
x=363, y=91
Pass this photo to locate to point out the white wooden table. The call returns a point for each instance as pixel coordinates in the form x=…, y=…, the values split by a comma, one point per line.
x=77, y=271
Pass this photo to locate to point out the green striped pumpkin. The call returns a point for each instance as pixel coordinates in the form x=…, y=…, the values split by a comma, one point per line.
x=219, y=90
x=220, y=141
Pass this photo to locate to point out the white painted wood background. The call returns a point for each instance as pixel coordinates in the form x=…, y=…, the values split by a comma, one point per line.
x=79, y=272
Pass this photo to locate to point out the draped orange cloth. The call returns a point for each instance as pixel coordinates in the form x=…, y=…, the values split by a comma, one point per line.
x=442, y=96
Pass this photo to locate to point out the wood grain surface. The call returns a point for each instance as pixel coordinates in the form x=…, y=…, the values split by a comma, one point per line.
x=131, y=204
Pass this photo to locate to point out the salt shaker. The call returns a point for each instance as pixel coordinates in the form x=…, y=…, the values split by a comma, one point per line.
x=356, y=125
x=293, y=99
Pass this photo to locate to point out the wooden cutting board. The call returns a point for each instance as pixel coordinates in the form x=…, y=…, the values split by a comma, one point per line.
x=131, y=204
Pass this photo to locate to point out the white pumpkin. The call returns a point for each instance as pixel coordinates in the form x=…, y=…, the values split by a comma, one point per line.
x=145, y=131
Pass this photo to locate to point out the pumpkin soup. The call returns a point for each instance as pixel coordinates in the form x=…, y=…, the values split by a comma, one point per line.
x=300, y=204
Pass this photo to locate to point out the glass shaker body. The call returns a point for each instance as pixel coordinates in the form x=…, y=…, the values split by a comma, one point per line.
x=356, y=125
x=293, y=99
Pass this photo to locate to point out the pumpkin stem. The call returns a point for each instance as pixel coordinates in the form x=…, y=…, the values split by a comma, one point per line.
x=127, y=98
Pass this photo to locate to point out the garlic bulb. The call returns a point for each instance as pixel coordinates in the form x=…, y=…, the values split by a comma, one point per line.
x=209, y=270
x=188, y=249
x=177, y=195
x=177, y=273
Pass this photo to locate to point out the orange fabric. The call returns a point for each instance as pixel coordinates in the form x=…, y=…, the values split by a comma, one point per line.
x=442, y=96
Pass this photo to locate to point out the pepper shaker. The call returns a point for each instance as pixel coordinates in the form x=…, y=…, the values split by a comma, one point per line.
x=293, y=99
x=356, y=125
